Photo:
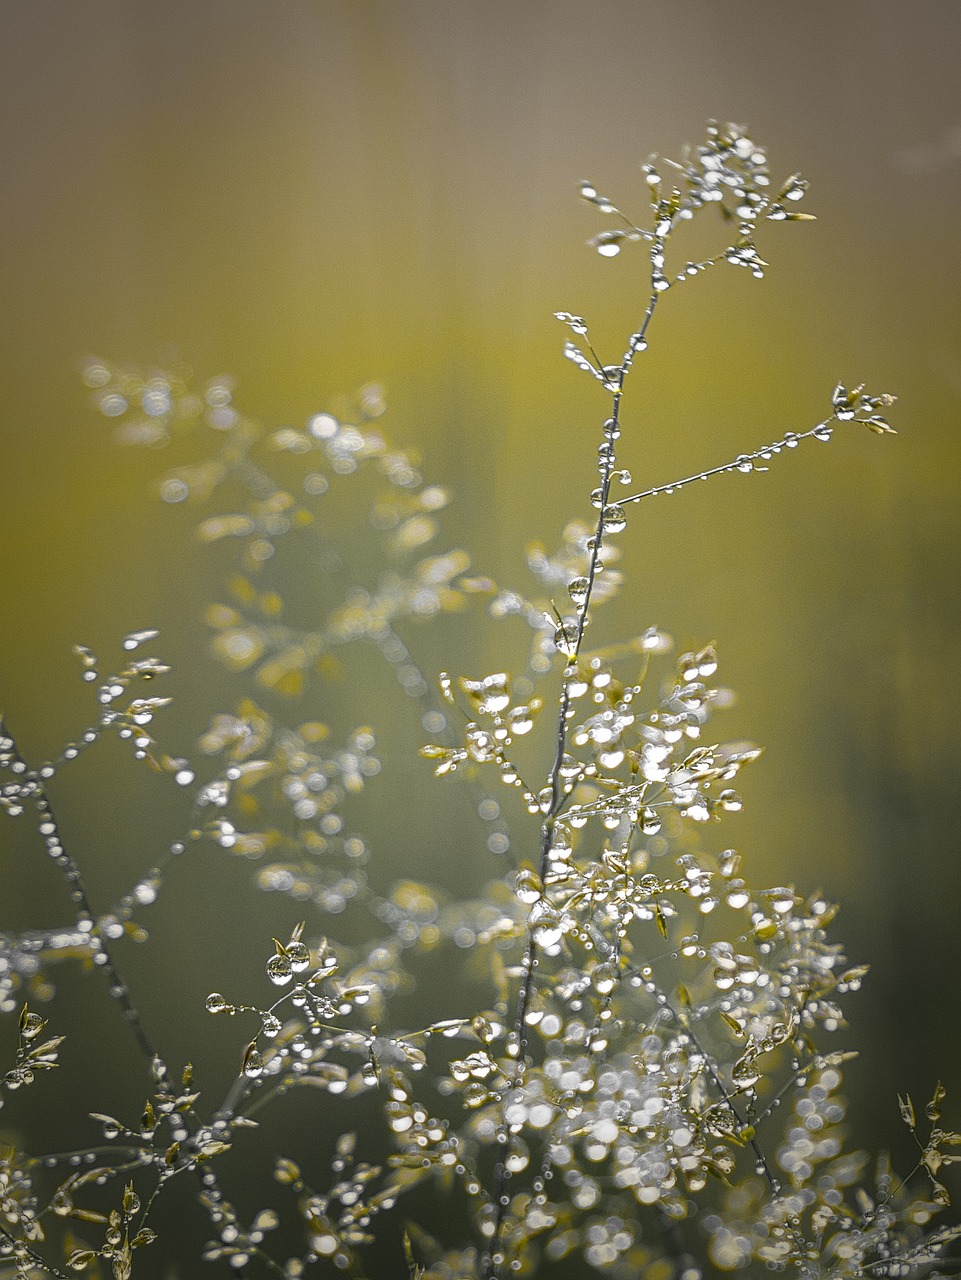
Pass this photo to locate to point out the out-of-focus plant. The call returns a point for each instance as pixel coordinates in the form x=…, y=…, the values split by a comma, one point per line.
x=645, y=1082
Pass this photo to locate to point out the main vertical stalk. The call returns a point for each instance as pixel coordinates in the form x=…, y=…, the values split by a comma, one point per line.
x=517, y=1044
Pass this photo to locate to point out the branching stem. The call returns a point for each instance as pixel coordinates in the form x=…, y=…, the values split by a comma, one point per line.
x=744, y=462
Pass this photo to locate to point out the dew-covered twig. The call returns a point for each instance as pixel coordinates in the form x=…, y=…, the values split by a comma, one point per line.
x=32, y=789
x=22, y=1252
x=746, y=463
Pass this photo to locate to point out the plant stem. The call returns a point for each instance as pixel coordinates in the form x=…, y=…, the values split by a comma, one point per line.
x=34, y=789
x=517, y=1044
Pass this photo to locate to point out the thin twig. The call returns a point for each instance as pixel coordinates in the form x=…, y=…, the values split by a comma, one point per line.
x=33, y=787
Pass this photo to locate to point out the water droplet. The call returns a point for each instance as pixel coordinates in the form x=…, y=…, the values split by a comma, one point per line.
x=174, y=489
x=490, y=695
x=137, y=638
x=578, y=589
x=480, y=743
x=520, y=720
x=565, y=638
x=253, y=1064
x=279, y=970
x=650, y=822
x=299, y=956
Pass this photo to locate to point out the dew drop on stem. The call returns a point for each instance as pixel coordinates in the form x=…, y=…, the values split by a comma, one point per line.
x=279, y=970
x=253, y=1065
x=577, y=589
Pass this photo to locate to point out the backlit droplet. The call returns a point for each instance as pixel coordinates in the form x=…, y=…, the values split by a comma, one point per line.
x=137, y=638
x=279, y=970
x=577, y=589
x=253, y=1065
x=174, y=490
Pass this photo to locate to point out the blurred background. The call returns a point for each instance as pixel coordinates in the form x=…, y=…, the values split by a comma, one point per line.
x=313, y=195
